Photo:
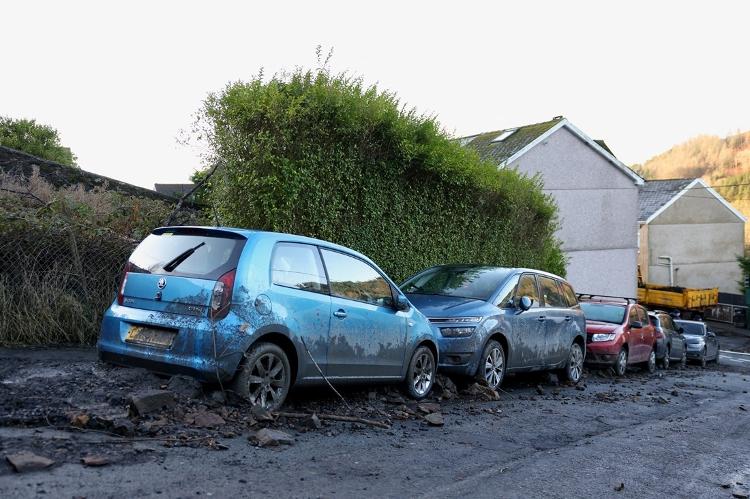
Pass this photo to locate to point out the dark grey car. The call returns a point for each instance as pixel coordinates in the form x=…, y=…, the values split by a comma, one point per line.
x=702, y=344
x=671, y=345
x=493, y=320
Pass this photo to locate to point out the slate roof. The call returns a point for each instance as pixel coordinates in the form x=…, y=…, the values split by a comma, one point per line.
x=21, y=163
x=500, y=151
x=654, y=194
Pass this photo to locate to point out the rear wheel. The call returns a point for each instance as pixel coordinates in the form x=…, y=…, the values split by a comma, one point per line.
x=573, y=369
x=492, y=365
x=621, y=364
x=421, y=374
x=265, y=376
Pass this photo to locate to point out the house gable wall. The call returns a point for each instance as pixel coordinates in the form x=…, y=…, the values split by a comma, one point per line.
x=598, y=211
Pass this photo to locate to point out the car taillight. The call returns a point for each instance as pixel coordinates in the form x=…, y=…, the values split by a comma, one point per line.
x=121, y=292
x=221, y=297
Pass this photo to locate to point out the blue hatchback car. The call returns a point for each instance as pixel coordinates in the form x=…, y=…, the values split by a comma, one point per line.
x=493, y=320
x=266, y=311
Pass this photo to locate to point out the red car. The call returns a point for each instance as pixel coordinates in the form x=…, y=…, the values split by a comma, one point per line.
x=619, y=334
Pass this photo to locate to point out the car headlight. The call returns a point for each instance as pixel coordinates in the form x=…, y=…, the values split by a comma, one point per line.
x=603, y=337
x=456, y=332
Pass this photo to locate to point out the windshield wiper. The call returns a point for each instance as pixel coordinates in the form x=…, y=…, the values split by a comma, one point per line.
x=174, y=262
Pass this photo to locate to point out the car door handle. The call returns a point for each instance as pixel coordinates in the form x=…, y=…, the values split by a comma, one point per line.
x=340, y=313
x=541, y=318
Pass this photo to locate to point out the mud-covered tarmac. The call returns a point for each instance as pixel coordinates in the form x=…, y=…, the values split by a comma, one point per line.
x=677, y=432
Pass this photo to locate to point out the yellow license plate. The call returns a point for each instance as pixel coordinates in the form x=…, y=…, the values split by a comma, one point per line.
x=159, y=338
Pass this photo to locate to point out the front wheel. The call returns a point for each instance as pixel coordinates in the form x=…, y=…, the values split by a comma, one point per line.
x=573, y=369
x=421, y=373
x=265, y=377
x=492, y=365
x=650, y=364
x=665, y=360
x=621, y=364
x=702, y=360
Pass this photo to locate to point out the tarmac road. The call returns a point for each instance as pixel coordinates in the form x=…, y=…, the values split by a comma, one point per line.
x=682, y=433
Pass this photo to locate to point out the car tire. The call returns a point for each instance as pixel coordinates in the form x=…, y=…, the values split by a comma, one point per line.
x=703, y=360
x=650, y=364
x=265, y=376
x=573, y=370
x=420, y=375
x=665, y=361
x=683, y=359
x=491, y=370
x=621, y=364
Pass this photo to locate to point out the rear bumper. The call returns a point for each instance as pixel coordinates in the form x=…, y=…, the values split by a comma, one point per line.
x=191, y=353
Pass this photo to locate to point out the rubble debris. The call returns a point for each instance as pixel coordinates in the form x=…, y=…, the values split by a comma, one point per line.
x=334, y=417
x=185, y=386
x=95, y=460
x=124, y=427
x=444, y=387
x=79, y=420
x=620, y=487
x=313, y=422
x=260, y=413
x=539, y=389
x=270, y=438
x=28, y=461
x=428, y=407
x=434, y=419
x=740, y=493
x=150, y=401
x=483, y=391
x=204, y=419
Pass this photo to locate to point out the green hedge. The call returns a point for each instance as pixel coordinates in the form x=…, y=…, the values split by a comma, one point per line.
x=325, y=156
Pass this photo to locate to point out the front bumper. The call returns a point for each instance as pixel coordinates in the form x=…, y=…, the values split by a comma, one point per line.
x=459, y=356
x=191, y=353
x=602, y=353
x=695, y=350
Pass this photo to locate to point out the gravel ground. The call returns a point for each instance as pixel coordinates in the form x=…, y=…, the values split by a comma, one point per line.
x=678, y=432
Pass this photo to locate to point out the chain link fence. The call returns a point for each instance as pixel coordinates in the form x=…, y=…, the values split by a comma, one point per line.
x=62, y=254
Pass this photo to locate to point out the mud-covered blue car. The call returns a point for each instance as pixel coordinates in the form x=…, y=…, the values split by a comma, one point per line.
x=266, y=311
x=493, y=320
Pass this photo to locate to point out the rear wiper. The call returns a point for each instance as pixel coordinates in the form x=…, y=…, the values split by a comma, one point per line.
x=174, y=262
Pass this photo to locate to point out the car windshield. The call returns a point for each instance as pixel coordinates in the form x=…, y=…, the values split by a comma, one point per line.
x=478, y=283
x=602, y=312
x=189, y=253
x=693, y=328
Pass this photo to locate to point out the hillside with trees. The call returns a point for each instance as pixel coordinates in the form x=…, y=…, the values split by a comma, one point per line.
x=724, y=163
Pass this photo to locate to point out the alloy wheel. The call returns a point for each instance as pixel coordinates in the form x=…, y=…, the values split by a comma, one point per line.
x=651, y=365
x=494, y=365
x=424, y=371
x=267, y=381
x=575, y=364
x=622, y=363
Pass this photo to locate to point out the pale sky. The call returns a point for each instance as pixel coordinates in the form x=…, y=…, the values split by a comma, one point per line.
x=120, y=80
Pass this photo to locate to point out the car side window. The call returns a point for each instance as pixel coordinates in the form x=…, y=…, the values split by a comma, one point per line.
x=506, y=293
x=633, y=315
x=669, y=323
x=642, y=316
x=354, y=279
x=568, y=293
x=551, y=296
x=527, y=287
x=295, y=265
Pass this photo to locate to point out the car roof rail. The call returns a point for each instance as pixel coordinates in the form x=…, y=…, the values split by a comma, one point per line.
x=593, y=297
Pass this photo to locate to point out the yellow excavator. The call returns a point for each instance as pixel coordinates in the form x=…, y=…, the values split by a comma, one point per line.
x=691, y=302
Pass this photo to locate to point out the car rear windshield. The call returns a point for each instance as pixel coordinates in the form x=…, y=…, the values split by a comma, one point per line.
x=601, y=312
x=479, y=283
x=692, y=328
x=215, y=253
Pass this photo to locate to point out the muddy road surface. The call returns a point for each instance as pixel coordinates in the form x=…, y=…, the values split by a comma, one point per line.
x=73, y=427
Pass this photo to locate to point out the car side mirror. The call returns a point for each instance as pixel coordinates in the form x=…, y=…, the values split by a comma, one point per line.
x=680, y=330
x=525, y=303
x=401, y=304
x=636, y=325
